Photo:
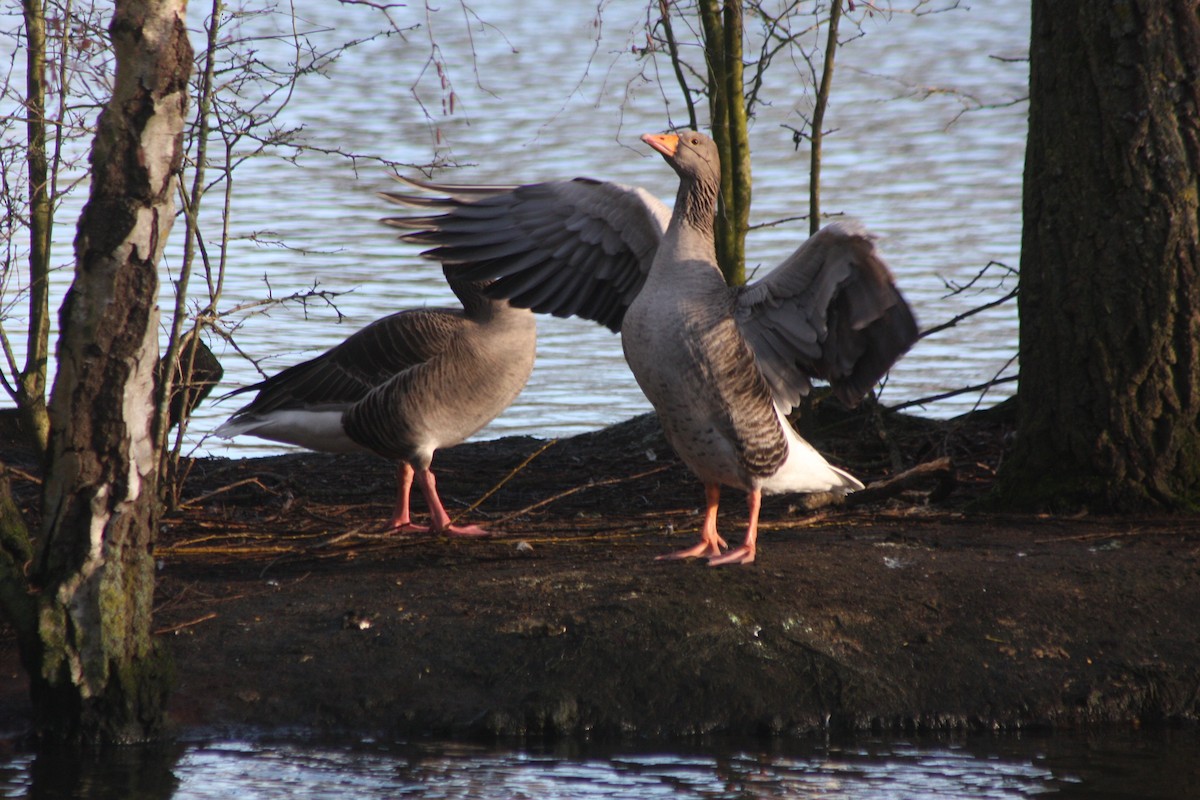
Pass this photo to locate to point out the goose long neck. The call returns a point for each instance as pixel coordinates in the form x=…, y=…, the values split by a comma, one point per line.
x=696, y=206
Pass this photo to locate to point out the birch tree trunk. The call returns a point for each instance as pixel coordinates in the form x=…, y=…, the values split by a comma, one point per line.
x=100, y=677
x=1109, y=396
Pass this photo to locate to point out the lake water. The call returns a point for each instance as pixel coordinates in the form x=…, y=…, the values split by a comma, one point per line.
x=941, y=187
x=925, y=144
x=1141, y=766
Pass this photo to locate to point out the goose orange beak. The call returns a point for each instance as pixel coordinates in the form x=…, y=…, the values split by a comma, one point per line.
x=665, y=143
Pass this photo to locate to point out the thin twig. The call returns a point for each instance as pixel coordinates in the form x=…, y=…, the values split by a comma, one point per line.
x=182, y=625
x=22, y=474
x=223, y=489
x=575, y=489
x=944, y=395
x=1087, y=537
x=503, y=481
x=817, y=135
x=227, y=550
x=954, y=321
x=673, y=49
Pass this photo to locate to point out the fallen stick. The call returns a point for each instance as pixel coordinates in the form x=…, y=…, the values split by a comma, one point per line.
x=182, y=625
x=580, y=488
x=244, y=482
x=503, y=481
x=940, y=470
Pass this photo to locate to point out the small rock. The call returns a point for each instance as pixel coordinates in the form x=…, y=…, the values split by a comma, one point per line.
x=356, y=621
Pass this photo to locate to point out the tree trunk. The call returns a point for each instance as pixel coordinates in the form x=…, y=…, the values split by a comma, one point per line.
x=1109, y=293
x=722, y=26
x=31, y=383
x=100, y=678
x=18, y=606
x=817, y=136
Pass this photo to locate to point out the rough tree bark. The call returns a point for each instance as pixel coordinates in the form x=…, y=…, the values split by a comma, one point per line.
x=1109, y=296
x=99, y=678
x=722, y=26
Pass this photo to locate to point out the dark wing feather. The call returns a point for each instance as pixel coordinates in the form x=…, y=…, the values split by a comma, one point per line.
x=579, y=247
x=346, y=373
x=831, y=311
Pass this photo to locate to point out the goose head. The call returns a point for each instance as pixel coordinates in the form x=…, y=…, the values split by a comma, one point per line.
x=690, y=153
x=694, y=158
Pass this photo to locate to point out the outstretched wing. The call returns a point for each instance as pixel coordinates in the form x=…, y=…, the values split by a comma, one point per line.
x=569, y=248
x=831, y=311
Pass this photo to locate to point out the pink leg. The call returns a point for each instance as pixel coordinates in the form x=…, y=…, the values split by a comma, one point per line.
x=401, y=515
x=711, y=544
x=745, y=553
x=438, y=517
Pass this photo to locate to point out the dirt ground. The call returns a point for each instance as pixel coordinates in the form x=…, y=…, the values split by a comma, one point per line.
x=285, y=607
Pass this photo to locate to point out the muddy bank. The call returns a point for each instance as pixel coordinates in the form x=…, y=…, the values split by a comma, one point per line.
x=285, y=607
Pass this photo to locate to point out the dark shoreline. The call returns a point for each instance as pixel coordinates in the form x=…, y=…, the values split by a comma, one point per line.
x=286, y=610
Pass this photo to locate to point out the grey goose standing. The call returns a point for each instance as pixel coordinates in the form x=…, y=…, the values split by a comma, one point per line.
x=402, y=387
x=722, y=366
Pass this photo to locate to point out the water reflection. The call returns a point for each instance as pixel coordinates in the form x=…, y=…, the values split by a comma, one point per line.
x=118, y=773
x=1158, y=764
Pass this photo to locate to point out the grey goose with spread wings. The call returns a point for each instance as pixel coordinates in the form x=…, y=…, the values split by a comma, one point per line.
x=722, y=366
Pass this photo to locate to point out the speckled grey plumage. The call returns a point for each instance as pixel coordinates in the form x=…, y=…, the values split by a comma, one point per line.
x=722, y=366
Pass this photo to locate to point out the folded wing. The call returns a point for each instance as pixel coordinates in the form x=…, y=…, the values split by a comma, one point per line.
x=348, y=372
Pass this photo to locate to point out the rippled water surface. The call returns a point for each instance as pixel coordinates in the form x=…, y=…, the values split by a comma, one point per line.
x=925, y=144
x=1116, y=767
